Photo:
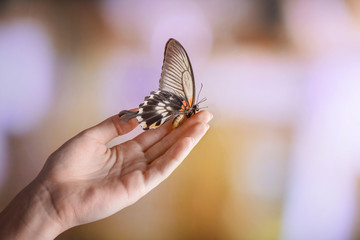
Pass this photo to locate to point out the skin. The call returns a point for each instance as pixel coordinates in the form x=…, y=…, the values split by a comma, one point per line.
x=84, y=180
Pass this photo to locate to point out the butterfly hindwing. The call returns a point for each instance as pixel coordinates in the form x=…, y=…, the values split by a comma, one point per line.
x=157, y=109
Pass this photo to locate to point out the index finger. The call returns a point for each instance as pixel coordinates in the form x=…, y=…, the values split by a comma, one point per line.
x=110, y=128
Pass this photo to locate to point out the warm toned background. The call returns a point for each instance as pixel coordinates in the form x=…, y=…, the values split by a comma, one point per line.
x=282, y=78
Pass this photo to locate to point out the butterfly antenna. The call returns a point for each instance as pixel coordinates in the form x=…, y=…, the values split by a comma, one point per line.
x=199, y=92
x=202, y=100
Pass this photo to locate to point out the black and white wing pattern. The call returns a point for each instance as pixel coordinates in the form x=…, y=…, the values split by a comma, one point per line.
x=175, y=97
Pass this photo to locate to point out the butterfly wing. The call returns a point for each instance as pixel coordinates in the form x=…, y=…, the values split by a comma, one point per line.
x=157, y=109
x=176, y=91
x=177, y=75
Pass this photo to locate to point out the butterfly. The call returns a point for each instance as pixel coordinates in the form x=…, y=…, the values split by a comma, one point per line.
x=175, y=98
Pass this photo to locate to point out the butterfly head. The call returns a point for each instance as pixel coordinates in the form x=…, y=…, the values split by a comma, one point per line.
x=194, y=109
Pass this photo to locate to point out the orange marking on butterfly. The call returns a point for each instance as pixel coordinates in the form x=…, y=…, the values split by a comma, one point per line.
x=185, y=106
x=190, y=101
x=153, y=126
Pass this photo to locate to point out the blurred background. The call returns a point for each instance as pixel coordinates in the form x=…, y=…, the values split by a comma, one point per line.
x=282, y=78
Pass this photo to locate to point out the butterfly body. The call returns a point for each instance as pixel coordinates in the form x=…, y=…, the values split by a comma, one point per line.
x=175, y=97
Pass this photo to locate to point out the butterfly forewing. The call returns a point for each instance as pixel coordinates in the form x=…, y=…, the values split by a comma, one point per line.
x=177, y=74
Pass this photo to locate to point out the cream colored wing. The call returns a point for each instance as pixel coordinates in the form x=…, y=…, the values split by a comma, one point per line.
x=177, y=74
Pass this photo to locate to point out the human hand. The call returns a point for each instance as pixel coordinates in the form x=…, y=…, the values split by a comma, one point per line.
x=84, y=180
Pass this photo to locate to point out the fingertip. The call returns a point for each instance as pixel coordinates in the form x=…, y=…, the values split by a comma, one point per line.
x=204, y=116
x=120, y=126
x=211, y=116
x=208, y=116
x=111, y=128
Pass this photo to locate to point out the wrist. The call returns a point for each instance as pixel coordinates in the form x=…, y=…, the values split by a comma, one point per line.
x=30, y=215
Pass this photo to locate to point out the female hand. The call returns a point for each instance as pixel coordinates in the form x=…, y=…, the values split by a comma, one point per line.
x=84, y=180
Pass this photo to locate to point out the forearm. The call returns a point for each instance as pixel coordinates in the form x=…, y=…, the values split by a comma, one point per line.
x=30, y=215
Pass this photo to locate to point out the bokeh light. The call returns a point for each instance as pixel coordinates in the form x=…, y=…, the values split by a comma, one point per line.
x=281, y=159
